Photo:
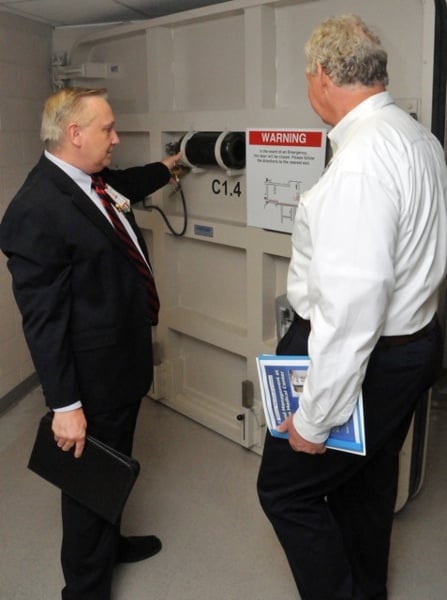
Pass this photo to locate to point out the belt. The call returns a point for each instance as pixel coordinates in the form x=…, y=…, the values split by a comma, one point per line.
x=385, y=340
x=399, y=340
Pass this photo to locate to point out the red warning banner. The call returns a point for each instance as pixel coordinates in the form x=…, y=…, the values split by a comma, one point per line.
x=312, y=139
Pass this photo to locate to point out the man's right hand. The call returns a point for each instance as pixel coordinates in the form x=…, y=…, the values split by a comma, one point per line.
x=69, y=430
x=297, y=442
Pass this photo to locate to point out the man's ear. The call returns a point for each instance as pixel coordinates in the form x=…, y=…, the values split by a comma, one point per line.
x=323, y=77
x=74, y=134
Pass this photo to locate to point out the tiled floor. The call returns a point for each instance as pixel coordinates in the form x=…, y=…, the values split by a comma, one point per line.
x=197, y=492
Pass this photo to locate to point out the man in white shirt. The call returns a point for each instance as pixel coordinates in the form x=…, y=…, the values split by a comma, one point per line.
x=369, y=254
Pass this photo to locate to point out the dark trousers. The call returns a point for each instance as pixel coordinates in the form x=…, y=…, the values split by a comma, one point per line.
x=90, y=544
x=333, y=513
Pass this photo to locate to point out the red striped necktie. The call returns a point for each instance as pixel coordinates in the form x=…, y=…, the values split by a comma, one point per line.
x=143, y=268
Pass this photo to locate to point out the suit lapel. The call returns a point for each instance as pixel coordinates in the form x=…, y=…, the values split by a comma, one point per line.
x=92, y=212
x=83, y=203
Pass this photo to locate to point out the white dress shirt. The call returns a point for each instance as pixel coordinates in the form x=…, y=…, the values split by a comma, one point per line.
x=369, y=252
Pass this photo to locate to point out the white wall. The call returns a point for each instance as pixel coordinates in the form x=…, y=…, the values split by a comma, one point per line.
x=236, y=65
x=232, y=66
x=25, y=56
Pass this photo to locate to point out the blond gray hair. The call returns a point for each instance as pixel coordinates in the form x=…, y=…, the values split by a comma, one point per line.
x=62, y=107
x=348, y=52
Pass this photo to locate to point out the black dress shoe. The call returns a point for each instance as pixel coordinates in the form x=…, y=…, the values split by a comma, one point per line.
x=135, y=548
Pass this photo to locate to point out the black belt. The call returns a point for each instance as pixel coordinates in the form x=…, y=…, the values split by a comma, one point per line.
x=399, y=340
x=385, y=340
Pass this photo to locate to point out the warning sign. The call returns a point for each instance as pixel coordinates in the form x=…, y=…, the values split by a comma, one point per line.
x=280, y=165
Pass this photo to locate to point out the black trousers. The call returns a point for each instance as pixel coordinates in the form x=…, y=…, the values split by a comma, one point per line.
x=333, y=513
x=89, y=543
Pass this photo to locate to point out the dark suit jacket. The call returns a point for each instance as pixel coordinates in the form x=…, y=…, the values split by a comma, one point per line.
x=83, y=302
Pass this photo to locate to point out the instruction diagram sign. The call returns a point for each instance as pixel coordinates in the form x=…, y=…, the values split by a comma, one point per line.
x=280, y=165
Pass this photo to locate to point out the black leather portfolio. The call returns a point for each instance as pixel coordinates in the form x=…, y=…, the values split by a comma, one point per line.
x=101, y=479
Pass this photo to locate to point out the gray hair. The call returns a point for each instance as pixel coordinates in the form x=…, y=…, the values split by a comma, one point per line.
x=348, y=52
x=65, y=105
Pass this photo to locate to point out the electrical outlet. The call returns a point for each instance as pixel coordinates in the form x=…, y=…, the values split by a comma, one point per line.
x=252, y=427
x=156, y=391
x=161, y=384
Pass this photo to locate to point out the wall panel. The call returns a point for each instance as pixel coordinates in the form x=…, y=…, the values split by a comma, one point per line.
x=236, y=67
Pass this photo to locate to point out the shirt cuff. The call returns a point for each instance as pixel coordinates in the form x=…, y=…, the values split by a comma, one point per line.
x=73, y=406
x=309, y=432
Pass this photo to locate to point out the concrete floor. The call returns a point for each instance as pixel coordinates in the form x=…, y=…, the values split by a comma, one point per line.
x=197, y=492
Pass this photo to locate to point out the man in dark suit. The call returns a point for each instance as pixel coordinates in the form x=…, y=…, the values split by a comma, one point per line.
x=87, y=312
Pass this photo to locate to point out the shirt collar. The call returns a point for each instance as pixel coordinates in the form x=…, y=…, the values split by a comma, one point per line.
x=339, y=133
x=82, y=179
